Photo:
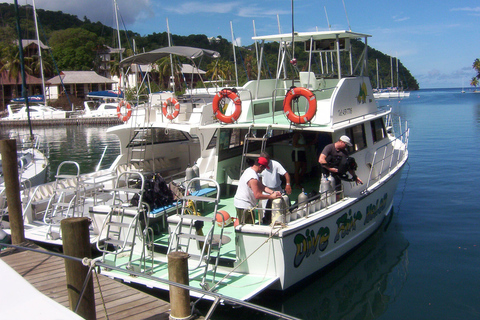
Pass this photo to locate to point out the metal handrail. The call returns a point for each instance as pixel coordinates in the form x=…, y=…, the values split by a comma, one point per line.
x=384, y=156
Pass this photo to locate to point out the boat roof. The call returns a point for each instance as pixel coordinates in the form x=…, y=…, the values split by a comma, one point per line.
x=154, y=55
x=316, y=35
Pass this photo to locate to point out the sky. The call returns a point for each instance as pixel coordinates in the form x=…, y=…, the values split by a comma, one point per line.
x=437, y=41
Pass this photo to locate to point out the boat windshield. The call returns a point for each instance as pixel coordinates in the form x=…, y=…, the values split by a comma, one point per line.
x=158, y=136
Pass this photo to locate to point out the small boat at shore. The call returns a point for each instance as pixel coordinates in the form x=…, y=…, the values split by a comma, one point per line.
x=313, y=228
x=19, y=112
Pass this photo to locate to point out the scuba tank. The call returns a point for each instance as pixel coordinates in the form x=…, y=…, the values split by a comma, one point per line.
x=279, y=208
x=302, y=201
x=196, y=173
x=325, y=190
x=189, y=175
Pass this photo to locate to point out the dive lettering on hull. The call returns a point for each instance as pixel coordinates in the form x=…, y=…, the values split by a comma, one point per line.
x=307, y=243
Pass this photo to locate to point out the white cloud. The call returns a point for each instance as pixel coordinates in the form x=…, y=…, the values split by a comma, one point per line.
x=95, y=10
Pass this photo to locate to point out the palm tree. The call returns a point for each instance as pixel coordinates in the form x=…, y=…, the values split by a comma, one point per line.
x=165, y=71
x=474, y=82
x=11, y=62
x=476, y=66
x=220, y=70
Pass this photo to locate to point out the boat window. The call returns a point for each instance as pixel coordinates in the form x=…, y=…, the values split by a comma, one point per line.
x=157, y=136
x=378, y=130
x=279, y=105
x=261, y=108
x=231, y=142
x=357, y=136
x=213, y=142
x=109, y=107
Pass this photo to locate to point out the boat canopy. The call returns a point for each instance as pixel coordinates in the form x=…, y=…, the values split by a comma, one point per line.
x=105, y=94
x=318, y=35
x=37, y=98
x=152, y=56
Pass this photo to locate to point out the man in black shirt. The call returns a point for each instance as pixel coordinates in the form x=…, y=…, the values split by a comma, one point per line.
x=334, y=159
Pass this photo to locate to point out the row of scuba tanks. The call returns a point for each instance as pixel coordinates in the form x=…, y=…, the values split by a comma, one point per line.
x=283, y=213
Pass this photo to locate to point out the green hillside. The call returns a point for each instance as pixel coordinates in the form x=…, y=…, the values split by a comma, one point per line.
x=75, y=45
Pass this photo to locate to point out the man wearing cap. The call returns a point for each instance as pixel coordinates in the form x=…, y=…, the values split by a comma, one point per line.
x=333, y=155
x=251, y=189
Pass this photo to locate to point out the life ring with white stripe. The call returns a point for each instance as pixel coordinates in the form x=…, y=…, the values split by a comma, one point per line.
x=220, y=112
x=312, y=105
x=170, y=115
x=121, y=113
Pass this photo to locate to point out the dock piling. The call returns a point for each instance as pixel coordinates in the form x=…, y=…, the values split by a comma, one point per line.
x=8, y=150
x=76, y=243
x=179, y=297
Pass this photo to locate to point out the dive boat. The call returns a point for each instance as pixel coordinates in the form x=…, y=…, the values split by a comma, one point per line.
x=311, y=229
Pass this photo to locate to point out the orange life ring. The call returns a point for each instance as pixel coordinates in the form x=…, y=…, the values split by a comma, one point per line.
x=312, y=105
x=171, y=102
x=120, y=114
x=232, y=95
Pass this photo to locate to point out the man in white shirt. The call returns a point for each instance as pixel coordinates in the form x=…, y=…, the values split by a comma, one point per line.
x=251, y=189
x=271, y=177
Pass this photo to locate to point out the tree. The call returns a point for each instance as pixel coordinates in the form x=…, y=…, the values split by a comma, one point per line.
x=75, y=48
x=474, y=82
x=11, y=63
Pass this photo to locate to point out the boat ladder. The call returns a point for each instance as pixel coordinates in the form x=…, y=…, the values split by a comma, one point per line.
x=123, y=225
x=188, y=235
x=252, y=137
x=65, y=200
x=139, y=142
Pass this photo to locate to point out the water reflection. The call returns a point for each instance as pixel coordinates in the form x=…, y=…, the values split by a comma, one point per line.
x=359, y=287
x=83, y=144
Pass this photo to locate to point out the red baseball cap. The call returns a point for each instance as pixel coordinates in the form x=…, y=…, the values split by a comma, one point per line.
x=264, y=162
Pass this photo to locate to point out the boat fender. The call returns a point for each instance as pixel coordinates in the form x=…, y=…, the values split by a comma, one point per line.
x=223, y=219
x=124, y=110
x=219, y=111
x=167, y=107
x=291, y=97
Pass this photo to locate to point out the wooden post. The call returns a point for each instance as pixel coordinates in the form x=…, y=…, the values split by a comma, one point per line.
x=179, y=298
x=76, y=243
x=8, y=150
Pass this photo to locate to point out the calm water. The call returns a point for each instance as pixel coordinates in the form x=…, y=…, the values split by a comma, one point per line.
x=83, y=144
x=423, y=263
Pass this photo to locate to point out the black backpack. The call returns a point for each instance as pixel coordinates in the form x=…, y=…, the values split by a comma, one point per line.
x=156, y=192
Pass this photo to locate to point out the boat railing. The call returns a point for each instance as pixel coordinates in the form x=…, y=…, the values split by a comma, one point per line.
x=387, y=157
x=217, y=299
x=296, y=211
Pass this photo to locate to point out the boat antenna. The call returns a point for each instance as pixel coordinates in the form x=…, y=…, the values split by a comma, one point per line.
x=122, y=75
x=22, y=67
x=328, y=22
x=39, y=53
x=171, y=57
x=234, y=55
x=346, y=14
x=294, y=61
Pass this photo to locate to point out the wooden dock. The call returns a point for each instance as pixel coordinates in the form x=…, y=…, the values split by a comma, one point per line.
x=47, y=274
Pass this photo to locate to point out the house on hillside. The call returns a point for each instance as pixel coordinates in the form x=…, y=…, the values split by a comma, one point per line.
x=11, y=88
x=107, y=56
x=188, y=75
x=78, y=84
